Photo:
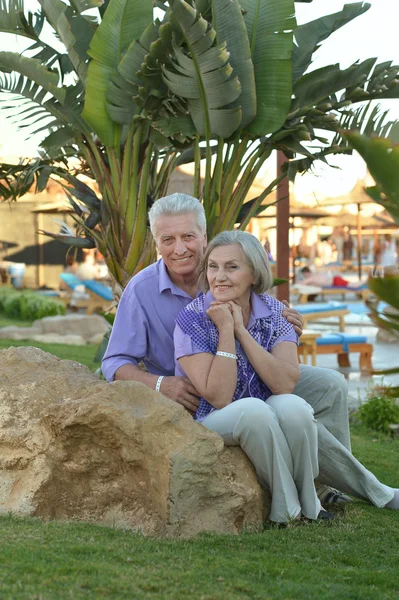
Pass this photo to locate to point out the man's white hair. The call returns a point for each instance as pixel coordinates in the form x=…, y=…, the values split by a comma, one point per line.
x=177, y=204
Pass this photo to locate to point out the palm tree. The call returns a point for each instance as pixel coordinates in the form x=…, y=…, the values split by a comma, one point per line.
x=382, y=159
x=132, y=97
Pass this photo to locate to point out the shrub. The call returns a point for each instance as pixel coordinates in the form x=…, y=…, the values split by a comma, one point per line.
x=5, y=292
x=379, y=411
x=28, y=305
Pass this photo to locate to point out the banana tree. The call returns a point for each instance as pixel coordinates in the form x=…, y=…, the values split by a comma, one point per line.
x=64, y=94
x=274, y=103
x=382, y=159
x=219, y=80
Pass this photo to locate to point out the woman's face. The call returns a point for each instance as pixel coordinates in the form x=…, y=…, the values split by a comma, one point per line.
x=228, y=274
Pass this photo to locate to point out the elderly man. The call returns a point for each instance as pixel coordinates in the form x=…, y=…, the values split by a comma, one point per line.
x=143, y=332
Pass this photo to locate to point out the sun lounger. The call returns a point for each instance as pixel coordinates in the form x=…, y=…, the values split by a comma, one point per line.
x=70, y=280
x=101, y=297
x=342, y=344
x=305, y=291
x=362, y=291
x=317, y=311
x=95, y=297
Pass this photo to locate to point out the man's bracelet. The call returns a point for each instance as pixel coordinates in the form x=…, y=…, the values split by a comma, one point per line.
x=227, y=355
x=158, y=384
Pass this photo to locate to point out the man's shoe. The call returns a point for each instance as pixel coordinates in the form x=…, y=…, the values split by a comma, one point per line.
x=328, y=495
x=325, y=515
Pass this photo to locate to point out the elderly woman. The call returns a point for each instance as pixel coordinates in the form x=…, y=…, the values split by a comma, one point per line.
x=241, y=355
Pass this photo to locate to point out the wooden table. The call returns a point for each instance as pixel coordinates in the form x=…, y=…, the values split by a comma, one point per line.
x=308, y=345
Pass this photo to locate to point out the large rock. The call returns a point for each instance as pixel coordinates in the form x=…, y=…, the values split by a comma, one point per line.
x=74, y=324
x=72, y=329
x=118, y=454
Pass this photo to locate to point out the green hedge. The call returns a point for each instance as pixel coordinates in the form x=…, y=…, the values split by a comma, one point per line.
x=28, y=305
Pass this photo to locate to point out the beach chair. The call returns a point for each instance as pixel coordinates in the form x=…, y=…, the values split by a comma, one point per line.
x=101, y=297
x=96, y=297
x=362, y=291
x=73, y=301
x=318, y=310
x=304, y=291
x=342, y=344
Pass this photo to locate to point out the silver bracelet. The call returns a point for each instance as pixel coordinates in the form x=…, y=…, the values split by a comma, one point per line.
x=227, y=355
x=158, y=384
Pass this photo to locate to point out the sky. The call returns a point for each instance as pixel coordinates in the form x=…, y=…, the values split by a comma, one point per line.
x=374, y=34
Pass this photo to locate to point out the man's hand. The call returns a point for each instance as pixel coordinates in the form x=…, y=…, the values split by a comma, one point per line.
x=182, y=391
x=293, y=317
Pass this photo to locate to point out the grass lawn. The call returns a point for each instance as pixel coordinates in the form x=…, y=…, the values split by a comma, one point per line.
x=356, y=557
x=6, y=321
x=82, y=354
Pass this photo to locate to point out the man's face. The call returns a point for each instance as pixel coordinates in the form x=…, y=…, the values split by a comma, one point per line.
x=180, y=242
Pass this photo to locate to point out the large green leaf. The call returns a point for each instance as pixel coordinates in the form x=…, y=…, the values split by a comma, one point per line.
x=382, y=158
x=33, y=70
x=13, y=19
x=309, y=36
x=384, y=81
x=76, y=242
x=74, y=31
x=270, y=25
x=229, y=24
x=367, y=119
x=58, y=140
x=203, y=75
x=51, y=58
x=123, y=22
x=23, y=87
x=27, y=92
x=82, y=5
x=386, y=288
x=318, y=85
x=123, y=88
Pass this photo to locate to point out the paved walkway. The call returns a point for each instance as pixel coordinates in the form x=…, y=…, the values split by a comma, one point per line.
x=384, y=356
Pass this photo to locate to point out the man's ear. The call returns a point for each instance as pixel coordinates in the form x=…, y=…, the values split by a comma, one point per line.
x=205, y=240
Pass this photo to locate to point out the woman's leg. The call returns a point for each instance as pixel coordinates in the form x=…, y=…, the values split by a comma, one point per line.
x=253, y=425
x=299, y=426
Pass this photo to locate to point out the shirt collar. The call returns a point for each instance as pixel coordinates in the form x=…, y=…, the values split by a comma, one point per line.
x=259, y=309
x=165, y=282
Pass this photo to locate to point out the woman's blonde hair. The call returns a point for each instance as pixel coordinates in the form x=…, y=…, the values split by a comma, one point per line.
x=255, y=257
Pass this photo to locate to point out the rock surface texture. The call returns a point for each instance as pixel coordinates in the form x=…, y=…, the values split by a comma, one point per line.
x=73, y=329
x=118, y=454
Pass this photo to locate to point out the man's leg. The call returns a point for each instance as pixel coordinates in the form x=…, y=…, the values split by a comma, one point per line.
x=339, y=468
x=327, y=393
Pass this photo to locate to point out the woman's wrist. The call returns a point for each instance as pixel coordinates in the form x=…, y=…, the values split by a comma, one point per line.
x=226, y=328
x=240, y=331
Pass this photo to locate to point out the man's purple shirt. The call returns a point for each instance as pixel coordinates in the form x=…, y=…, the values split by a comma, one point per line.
x=144, y=323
